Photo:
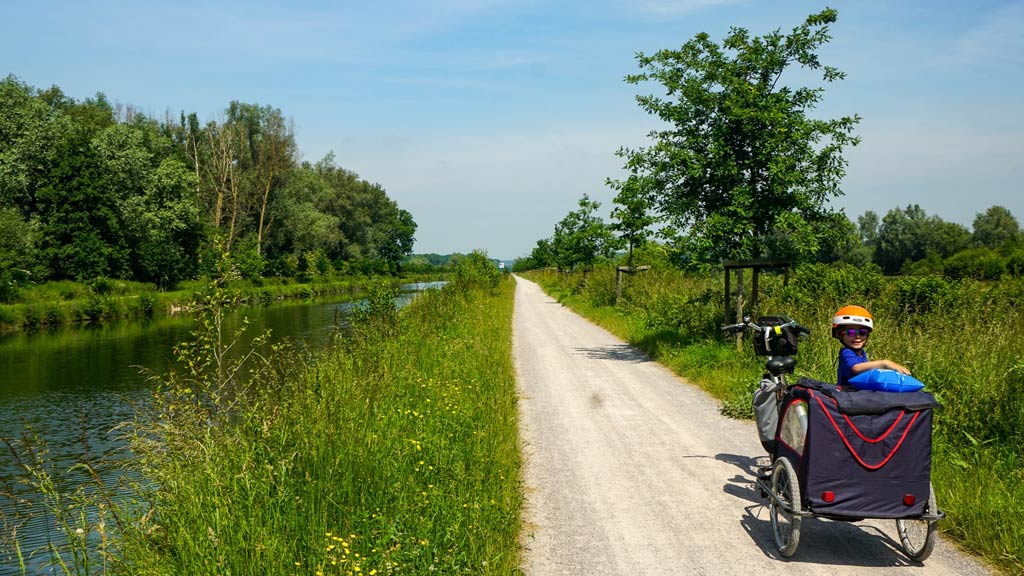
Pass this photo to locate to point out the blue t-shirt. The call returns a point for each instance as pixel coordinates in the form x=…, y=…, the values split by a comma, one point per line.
x=848, y=358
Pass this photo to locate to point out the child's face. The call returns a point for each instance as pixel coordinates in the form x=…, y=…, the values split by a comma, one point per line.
x=854, y=337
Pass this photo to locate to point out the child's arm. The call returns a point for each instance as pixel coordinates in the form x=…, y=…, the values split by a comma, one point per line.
x=876, y=364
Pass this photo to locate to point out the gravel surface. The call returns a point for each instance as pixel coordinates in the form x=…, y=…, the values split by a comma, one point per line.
x=631, y=470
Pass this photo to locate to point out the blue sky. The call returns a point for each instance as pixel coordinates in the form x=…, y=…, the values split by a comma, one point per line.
x=489, y=119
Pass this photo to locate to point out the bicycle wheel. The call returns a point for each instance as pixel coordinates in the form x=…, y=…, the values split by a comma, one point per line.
x=918, y=535
x=785, y=525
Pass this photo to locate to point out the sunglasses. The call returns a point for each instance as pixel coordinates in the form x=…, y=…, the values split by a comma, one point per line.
x=862, y=332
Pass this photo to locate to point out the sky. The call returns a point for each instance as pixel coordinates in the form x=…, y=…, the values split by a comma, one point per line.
x=488, y=120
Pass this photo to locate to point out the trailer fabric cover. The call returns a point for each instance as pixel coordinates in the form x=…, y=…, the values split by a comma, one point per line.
x=866, y=450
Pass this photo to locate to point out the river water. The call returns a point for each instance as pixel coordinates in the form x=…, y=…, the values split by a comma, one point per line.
x=71, y=387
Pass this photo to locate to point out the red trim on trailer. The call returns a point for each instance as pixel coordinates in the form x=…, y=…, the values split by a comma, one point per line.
x=854, y=452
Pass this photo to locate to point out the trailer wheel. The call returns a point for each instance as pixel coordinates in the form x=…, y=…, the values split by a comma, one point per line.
x=918, y=535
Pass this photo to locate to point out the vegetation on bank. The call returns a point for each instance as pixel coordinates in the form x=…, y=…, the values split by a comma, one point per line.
x=65, y=303
x=960, y=337
x=392, y=452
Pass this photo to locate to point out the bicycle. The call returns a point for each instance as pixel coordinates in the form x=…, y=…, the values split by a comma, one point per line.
x=884, y=470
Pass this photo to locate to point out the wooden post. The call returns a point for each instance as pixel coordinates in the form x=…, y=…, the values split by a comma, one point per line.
x=618, y=285
x=619, y=271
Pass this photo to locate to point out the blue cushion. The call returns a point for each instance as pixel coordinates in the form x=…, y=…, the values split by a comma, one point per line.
x=886, y=381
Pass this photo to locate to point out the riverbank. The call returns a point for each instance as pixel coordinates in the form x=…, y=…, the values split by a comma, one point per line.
x=70, y=303
x=960, y=338
x=392, y=451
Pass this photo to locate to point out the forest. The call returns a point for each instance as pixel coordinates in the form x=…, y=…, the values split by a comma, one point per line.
x=90, y=189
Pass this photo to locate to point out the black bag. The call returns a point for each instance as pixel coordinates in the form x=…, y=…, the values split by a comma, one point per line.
x=775, y=341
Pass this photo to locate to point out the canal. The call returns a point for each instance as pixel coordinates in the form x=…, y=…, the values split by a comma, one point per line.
x=72, y=387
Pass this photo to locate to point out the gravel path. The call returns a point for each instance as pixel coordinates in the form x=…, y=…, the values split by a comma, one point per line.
x=630, y=470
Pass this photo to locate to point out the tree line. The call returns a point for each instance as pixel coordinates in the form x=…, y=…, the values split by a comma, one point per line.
x=743, y=170
x=89, y=189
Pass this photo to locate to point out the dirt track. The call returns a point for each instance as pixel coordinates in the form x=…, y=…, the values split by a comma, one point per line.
x=630, y=470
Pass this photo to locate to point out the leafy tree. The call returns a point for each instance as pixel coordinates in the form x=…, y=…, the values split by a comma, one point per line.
x=17, y=241
x=995, y=227
x=82, y=234
x=542, y=256
x=29, y=131
x=398, y=238
x=867, y=228
x=633, y=219
x=742, y=159
x=265, y=151
x=581, y=237
x=909, y=235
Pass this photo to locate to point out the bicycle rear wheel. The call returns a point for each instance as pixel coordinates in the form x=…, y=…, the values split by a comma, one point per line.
x=785, y=524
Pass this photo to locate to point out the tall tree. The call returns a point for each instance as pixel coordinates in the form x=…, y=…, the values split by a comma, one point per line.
x=632, y=213
x=742, y=156
x=994, y=227
x=910, y=235
x=581, y=237
x=266, y=154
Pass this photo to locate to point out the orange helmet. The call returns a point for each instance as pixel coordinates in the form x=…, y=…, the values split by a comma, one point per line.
x=851, y=316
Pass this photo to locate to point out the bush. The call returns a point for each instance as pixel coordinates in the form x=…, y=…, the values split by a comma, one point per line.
x=915, y=295
x=836, y=284
x=476, y=272
x=976, y=264
x=1015, y=263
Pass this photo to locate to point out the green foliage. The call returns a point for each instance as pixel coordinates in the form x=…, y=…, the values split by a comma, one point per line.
x=379, y=454
x=632, y=215
x=743, y=171
x=1015, y=263
x=916, y=295
x=909, y=235
x=836, y=285
x=377, y=317
x=85, y=191
x=995, y=227
x=476, y=272
x=581, y=237
x=248, y=261
x=976, y=264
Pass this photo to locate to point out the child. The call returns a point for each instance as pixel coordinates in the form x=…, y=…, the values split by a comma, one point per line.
x=852, y=325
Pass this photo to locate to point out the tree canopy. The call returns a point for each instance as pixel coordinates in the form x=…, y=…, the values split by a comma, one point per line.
x=742, y=170
x=88, y=189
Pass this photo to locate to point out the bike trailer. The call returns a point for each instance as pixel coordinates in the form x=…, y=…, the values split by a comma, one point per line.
x=858, y=454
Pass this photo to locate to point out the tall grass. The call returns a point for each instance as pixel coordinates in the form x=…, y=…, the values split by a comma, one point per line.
x=395, y=452
x=962, y=338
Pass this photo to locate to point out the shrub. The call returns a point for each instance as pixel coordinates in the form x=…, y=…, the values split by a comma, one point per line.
x=913, y=295
x=476, y=272
x=836, y=284
x=976, y=264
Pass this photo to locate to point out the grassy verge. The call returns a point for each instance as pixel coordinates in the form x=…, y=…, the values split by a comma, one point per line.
x=68, y=303
x=961, y=338
x=394, y=453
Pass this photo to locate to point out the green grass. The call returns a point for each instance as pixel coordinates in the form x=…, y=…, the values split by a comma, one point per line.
x=393, y=453
x=961, y=338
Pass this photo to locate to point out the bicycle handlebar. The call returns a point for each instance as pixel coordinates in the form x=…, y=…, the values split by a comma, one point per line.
x=748, y=324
